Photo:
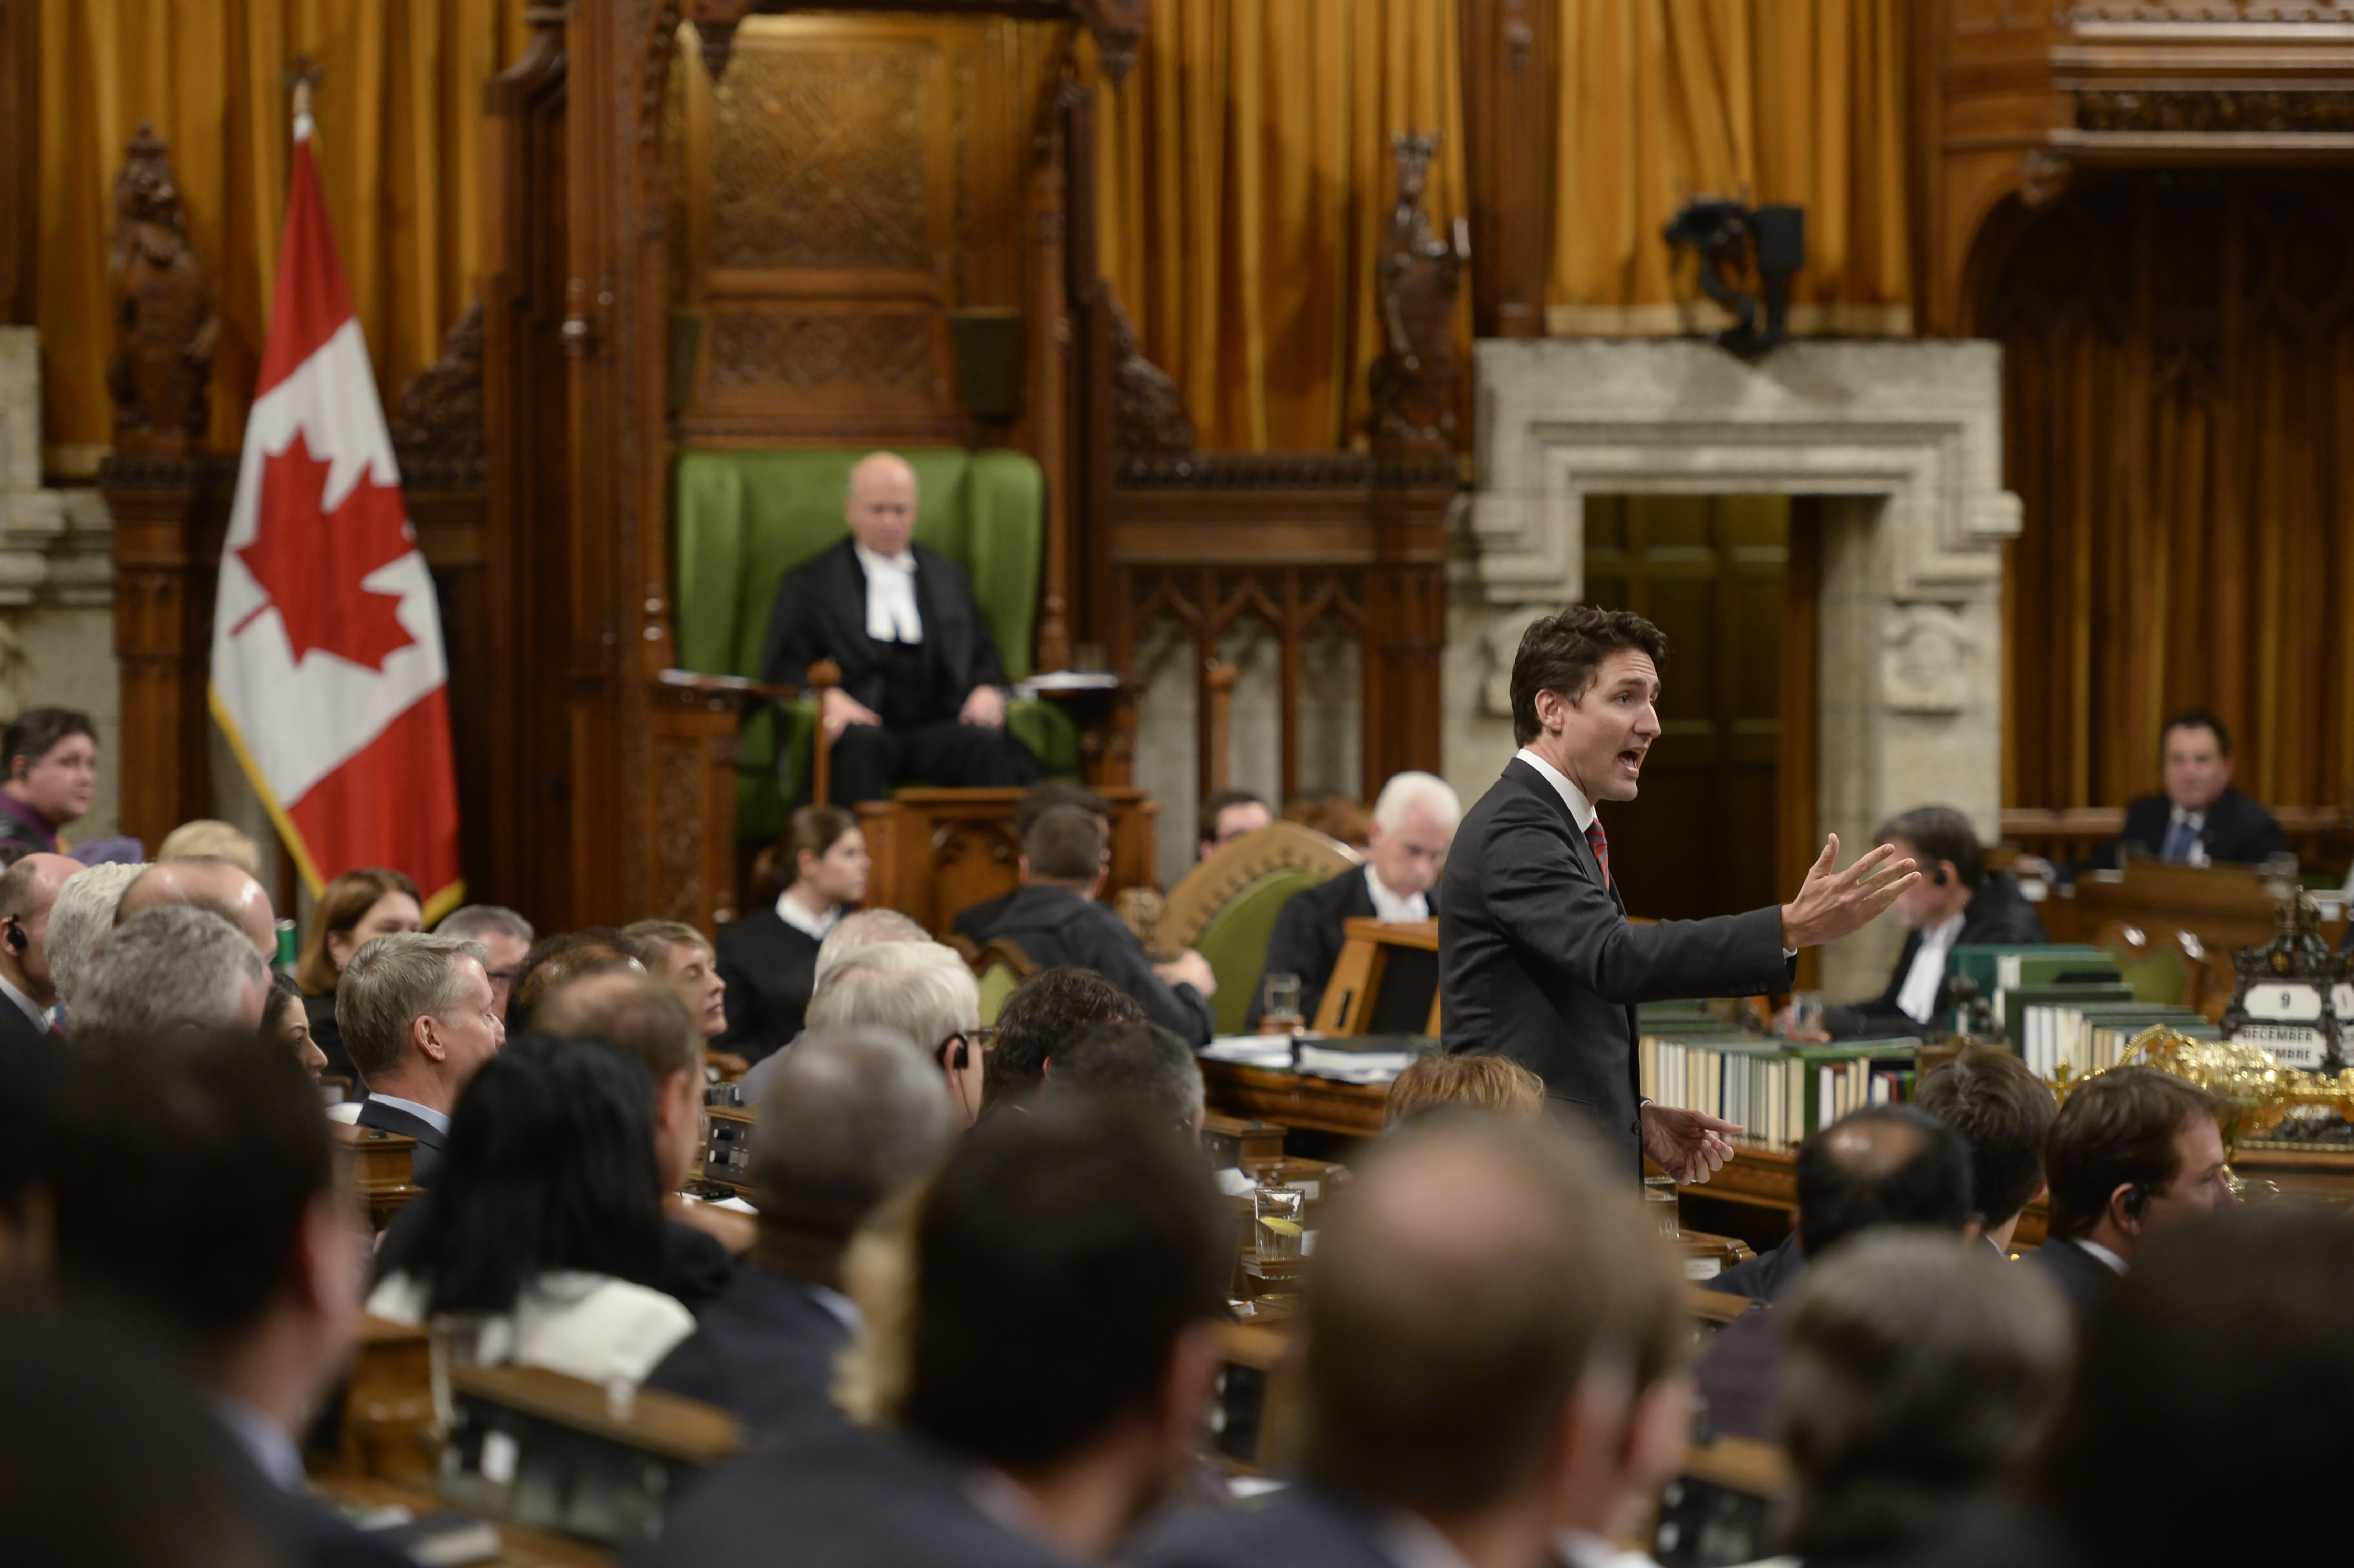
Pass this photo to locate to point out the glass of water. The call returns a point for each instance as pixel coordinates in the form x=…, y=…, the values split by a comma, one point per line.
x=1278, y=1011
x=1279, y=1210
x=1659, y=1203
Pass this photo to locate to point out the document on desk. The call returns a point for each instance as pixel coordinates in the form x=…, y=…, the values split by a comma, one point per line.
x=1249, y=1050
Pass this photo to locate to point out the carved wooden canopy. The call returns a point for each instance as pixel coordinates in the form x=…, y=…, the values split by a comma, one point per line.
x=1117, y=25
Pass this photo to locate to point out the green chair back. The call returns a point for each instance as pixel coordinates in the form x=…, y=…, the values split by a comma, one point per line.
x=743, y=517
x=1233, y=940
x=997, y=981
x=2157, y=976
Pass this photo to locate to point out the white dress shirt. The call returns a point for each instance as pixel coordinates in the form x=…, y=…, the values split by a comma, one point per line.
x=891, y=614
x=438, y=1120
x=266, y=1444
x=2116, y=1265
x=791, y=912
x=1408, y=1540
x=1581, y=810
x=1394, y=908
x=1917, y=998
x=589, y=1326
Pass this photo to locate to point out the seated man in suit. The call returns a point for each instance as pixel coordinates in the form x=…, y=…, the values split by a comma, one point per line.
x=1915, y=1372
x=848, y=1119
x=1227, y=816
x=2003, y=1112
x=1020, y=1435
x=419, y=1019
x=222, y=1225
x=1055, y=920
x=1414, y=821
x=2133, y=1152
x=2199, y=819
x=1493, y=1370
x=27, y=890
x=174, y=967
x=228, y=891
x=1886, y=1167
x=922, y=698
x=1041, y=798
x=1956, y=903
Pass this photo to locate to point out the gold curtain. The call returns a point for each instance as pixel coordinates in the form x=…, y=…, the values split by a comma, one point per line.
x=1662, y=100
x=399, y=147
x=1244, y=183
x=2178, y=412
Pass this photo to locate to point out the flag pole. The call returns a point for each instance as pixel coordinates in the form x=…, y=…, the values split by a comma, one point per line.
x=303, y=75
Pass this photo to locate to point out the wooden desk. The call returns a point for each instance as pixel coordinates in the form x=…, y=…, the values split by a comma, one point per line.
x=938, y=852
x=388, y=1430
x=382, y=1167
x=1354, y=997
x=518, y=1547
x=1288, y=1100
x=2227, y=907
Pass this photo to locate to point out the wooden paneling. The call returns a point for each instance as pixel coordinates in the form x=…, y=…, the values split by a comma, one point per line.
x=1708, y=571
x=940, y=851
x=20, y=126
x=1509, y=53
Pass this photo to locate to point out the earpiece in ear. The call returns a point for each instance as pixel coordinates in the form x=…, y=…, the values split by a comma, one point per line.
x=2136, y=1199
x=18, y=940
x=1937, y=877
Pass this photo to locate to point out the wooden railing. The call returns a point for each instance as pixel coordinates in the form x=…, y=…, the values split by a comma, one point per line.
x=2321, y=836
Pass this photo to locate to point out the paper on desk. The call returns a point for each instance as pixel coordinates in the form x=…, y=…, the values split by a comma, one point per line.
x=1236, y=1183
x=739, y=1204
x=1249, y=1050
x=1247, y=1487
x=1354, y=1066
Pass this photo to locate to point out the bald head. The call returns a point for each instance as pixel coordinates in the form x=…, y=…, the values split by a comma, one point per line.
x=228, y=891
x=1490, y=1269
x=1890, y=1165
x=882, y=502
x=26, y=892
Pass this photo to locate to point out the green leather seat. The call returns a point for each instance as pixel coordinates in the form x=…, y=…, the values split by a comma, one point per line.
x=745, y=516
x=2157, y=976
x=1233, y=940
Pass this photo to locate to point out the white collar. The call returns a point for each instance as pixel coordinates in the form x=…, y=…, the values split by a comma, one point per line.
x=1580, y=1549
x=903, y=563
x=844, y=1309
x=2116, y=1265
x=1394, y=907
x=1580, y=808
x=25, y=1005
x=2197, y=819
x=1941, y=936
x=1408, y=1540
x=438, y=1120
x=815, y=927
x=265, y=1441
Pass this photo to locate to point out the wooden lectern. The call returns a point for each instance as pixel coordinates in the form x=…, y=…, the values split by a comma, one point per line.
x=1386, y=983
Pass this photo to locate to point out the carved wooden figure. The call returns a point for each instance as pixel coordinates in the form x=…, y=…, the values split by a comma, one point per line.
x=1148, y=412
x=165, y=328
x=1413, y=379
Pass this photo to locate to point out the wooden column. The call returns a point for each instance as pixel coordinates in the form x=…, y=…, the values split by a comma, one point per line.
x=170, y=517
x=1508, y=50
x=1406, y=619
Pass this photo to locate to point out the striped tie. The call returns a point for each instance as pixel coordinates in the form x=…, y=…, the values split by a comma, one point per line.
x=1601, y=846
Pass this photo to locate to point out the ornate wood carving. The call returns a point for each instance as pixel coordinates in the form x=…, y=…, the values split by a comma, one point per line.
x=1148, y=412
x=165, y=328
x=2217, y=111
x=823, y=157
x=1413, y=379
x=439, y=420
x=1117, y=25
x=785, y=346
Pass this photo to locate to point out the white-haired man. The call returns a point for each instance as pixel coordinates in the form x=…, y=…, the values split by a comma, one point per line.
x=922, y=698
x=920, y=991
x=1413, y=822
x=173, y=967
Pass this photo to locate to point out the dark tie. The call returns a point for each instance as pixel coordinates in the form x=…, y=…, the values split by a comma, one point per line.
x=1600, y=843
x=2179, y=841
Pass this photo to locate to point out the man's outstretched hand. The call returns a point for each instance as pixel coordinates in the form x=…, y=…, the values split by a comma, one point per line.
x=1685, y=1144
x=1834, y=903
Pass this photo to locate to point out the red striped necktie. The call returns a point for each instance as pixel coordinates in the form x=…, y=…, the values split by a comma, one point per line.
x=1601, y=846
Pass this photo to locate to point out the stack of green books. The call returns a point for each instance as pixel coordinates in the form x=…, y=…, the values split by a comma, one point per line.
x=1778, y=1092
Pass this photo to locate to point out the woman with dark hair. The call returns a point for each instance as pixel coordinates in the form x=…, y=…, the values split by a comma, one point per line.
x=284, y=1020
x=545, y=1224
x=768, y=959
x=356, y=908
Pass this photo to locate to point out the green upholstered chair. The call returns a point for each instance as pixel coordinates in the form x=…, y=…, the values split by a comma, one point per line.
x=744, y=516
x=2158, y=970
x=1225, y=908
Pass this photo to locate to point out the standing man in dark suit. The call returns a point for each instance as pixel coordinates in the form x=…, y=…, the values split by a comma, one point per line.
x=1536, y=959
x=1958, y=903
x=419, y=1019
x=2132, y=1152
x=2199, y=819
x=1414, y=821
x=922, y=698
x=222, y=1225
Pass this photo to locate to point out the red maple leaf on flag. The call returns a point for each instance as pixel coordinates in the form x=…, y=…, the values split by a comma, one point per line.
x=314, y=564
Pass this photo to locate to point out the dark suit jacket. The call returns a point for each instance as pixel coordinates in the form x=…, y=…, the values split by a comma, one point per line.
x=1538, y=963
x=1308, y=934
x=1056, y=926
x=838, y=1497
x=765, y=1350
x=429, y=1140
x=310, y=1533
x=770, y=968
x=2238, y=831
x=973, y=924
x=821, y=613
x=1996, y=912
x=1739, y=1374
x=1302, y=1525
x=1765, y=1276
x=2083, y=1278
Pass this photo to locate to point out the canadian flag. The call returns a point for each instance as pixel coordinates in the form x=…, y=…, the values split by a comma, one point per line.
x=328, y=674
